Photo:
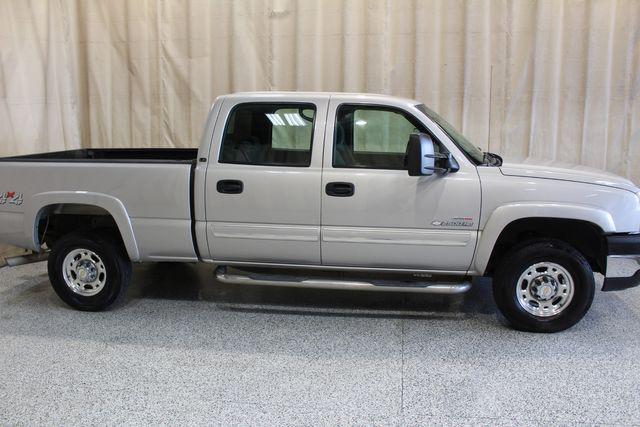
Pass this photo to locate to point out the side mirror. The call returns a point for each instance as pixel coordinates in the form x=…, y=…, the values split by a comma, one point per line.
x=421, y=158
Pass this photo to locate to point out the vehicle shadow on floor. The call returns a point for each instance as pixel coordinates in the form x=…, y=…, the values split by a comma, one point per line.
x=196, y=282
x=183, y=305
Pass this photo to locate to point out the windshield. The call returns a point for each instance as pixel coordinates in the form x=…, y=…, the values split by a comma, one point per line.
x=460, y=140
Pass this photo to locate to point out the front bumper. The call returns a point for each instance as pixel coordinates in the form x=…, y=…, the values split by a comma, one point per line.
x=623, y=262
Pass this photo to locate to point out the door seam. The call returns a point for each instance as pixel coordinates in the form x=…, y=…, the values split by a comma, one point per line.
x=324, y=145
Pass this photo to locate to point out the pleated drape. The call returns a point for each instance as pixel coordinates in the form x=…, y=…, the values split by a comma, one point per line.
x=557, y=79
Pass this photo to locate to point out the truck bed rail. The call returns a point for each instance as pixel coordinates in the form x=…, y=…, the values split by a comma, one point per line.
x=112, y=155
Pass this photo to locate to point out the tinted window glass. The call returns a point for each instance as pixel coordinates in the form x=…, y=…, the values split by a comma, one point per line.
x=296, y=133
x=372, y=137
x=269, y=134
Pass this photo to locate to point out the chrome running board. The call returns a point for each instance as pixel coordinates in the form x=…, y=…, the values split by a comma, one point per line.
x=26, y=259
x=442, y=288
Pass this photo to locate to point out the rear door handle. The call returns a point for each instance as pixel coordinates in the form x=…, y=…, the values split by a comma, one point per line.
x=340, y=189
x=230, y=186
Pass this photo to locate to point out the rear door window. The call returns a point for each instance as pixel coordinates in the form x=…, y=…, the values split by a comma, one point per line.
x=269, y=134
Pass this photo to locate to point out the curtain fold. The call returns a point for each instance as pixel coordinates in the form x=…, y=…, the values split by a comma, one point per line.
x=555, y=79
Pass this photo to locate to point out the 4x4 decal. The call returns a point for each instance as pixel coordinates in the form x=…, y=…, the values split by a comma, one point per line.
x=11, y=197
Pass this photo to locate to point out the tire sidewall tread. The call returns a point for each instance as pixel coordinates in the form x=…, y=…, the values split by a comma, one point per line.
x=528, y=253
x=116, y=262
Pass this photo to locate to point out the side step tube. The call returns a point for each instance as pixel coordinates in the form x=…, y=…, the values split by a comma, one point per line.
x=443, y=288
x=26, y=259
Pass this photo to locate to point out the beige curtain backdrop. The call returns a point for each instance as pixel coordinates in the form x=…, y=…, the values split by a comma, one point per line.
x=546, y=79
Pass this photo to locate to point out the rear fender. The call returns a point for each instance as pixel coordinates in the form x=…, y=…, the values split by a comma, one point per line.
x=38, y=202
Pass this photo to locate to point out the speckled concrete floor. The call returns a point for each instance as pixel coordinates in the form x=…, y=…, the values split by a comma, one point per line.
x=184, y=349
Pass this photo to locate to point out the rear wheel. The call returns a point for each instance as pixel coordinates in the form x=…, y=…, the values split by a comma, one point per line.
x=89, y=272
x=545, y=286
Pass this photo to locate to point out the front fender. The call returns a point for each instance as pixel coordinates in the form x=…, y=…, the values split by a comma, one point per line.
x=36, y=204
x=506, y=214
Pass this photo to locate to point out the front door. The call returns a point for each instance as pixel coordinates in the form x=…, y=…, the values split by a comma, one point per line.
x=374, y=214
x=263, y=188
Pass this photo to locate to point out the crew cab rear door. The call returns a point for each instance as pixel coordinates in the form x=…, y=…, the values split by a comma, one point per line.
x=374, y=214
x=263, y=180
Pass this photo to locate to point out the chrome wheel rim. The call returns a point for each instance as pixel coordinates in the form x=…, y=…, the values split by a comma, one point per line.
x=84, y=272
x=545, y=289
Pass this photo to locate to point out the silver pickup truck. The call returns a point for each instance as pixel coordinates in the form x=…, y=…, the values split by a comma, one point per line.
x=356, y=191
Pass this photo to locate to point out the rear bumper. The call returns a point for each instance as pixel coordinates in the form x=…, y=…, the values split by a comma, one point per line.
x=623, y=262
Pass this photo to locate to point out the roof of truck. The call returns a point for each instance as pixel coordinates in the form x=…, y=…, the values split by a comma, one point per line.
x=342, y=95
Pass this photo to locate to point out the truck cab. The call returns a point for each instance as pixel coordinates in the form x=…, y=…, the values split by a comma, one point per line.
x=320, y=179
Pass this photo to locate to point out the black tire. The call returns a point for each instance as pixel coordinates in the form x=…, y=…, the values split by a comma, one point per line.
x=516, y=263
x=113, y=261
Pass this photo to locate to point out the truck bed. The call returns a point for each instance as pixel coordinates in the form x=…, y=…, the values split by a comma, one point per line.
x=112, y=155
x=150, y=190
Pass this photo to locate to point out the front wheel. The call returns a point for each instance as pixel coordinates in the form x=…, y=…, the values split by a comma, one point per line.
x=545, y=286
x=89, y=272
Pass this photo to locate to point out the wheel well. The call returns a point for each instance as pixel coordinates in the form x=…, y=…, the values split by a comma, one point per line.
x=55, y=221
x=585, y=237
